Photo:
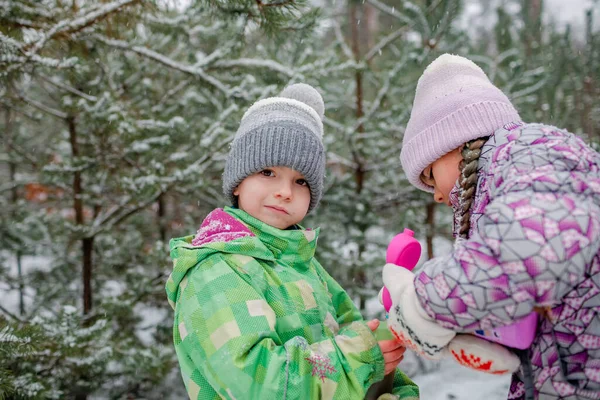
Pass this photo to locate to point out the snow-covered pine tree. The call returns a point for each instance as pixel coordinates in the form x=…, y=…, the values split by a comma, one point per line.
x=550, y=73
x=374, y=54
x=118, y=117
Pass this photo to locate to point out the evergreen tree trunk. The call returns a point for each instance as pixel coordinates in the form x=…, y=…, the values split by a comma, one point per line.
x=371, y=27
x=589, y=83
x=162, y=226
x=359, y=276
x=88, y=248
x=533, y=24
x=430, y=226
x=87, y=243
x=12, y=171
x=355, y=37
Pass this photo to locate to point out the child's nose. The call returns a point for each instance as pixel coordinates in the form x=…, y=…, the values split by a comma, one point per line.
x=438, y=197
x=284, y=191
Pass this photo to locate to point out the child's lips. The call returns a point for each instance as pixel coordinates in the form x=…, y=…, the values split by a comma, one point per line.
x=278, y=209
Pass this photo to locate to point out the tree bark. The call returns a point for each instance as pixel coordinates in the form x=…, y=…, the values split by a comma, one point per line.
x=162, y=226
x=87, y=243
x=589, y=83
x=12, y=171
x=533, y=23
x=355, y=37
x=430, y=224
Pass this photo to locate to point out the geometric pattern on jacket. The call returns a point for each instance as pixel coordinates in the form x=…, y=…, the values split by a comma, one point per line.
x=534, y=242
x=257, y=317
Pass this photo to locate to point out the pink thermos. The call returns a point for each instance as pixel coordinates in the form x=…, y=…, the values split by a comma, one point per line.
x=404, y=250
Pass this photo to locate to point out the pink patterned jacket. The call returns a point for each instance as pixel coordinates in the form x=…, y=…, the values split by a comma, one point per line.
x=534, y=242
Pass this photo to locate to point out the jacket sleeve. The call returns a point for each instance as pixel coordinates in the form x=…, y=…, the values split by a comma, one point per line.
x=404, y=387
x=227, y=329
x=534, y=242
x=347, y=312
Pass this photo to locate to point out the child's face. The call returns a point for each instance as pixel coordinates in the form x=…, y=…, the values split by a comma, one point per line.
x=278, y=196
x=442, y=174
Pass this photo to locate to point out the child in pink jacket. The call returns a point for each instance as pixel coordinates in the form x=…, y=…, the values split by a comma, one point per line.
x=526, y=203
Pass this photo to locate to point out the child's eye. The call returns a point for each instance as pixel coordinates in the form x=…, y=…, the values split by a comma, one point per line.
x=302, y=182
x=267, y=172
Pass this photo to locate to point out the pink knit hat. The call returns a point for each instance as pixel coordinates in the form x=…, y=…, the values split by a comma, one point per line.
x=455, y=102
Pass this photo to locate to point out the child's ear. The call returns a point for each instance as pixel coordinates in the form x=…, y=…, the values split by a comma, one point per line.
x=236, y=191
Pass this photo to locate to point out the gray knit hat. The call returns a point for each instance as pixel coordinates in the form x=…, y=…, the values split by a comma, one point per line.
x=282, y=131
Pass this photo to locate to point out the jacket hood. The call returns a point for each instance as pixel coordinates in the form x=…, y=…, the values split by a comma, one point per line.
x=231, y=231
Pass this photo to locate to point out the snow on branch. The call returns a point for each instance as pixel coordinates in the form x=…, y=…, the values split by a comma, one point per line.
x=340, y=38
x=183, y=84
x=529, y=90
x=10, y=42
x=390, y=10
x=10, y=105
x=381, y=93
x=385, y=41
x=155, y=56
x=43, y=107
x=205, y=30
x=128, y=205
x=326, y=71
x=336, y=159
x=16, y=61
x=55, y=82
x=65, y=26
x=213, y=130
x=253, y=62
x=79, y=23
x=176, y=21
x=153, y=124
x=34, y=10
x=420, y=15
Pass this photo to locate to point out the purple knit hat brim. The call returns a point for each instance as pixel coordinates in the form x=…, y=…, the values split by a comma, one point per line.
x=434, y=143
x=454, y=103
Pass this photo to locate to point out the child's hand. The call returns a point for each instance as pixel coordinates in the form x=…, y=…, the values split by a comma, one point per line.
x=392, y=350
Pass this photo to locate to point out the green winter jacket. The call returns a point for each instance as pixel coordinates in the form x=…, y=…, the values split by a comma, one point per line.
x=257, y=317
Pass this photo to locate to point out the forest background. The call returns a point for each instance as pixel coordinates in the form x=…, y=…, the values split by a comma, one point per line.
x=116, y=116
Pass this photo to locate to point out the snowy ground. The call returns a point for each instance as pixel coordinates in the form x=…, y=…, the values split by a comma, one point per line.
x=10, y=294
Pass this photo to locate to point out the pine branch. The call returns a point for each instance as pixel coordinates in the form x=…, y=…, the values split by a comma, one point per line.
x=386, y=41
x=69, y=89
x=253, y=62
x=43, y=107
x=390, y=11
x=125, y=210
x=17, y=110
x=13, y=316
x=77, y=24
x=342, y=41
x=67, y=27
x=171, y=92
x=155, y=56
x=381, y=94
x=36, y=10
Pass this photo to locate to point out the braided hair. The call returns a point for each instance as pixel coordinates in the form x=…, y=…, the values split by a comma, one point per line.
x=468, y=182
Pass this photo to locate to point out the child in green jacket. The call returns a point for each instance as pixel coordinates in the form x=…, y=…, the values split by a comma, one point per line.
x=256, y=315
